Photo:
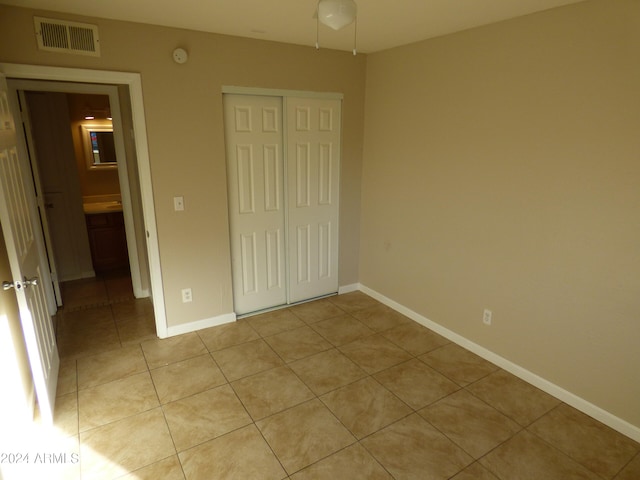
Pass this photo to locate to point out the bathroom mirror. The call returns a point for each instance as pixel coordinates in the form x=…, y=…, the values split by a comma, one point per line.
x=99, y=148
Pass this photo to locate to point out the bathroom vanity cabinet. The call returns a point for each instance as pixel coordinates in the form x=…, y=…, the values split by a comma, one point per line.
x=107, y=240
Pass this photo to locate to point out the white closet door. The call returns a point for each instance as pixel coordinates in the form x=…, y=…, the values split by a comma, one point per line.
x=313, y=159
x=253, y=129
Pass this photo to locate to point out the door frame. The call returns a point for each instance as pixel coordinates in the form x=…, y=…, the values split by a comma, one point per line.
x=111, y=91
x=134, y=82
x=277, y=92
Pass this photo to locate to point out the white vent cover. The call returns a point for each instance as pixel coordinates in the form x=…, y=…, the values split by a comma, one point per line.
x=67, y=37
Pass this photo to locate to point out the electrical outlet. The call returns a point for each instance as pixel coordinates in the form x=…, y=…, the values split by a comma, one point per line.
x=186, y=295
x=486, y=317
x=178, y=204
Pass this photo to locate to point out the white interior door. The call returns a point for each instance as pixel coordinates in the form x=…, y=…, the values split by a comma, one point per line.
x=50, y=205
x=253, y=127
x=313, y=153
x=53, y=161
x=26, y=257
x=284, y=169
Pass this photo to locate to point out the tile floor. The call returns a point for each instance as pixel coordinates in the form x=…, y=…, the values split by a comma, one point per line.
x=338, y=388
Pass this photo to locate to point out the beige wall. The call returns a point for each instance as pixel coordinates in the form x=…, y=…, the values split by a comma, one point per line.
x=183, y=107
x=501, y=171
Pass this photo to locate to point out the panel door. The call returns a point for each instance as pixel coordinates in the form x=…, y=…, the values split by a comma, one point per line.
x=253, y=130
x=50, y=145
x=313, y=160
x=23, y=237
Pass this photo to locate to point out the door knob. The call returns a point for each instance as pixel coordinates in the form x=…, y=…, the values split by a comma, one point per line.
x=18, y=285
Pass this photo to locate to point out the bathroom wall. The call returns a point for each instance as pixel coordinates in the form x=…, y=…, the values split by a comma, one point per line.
x=99, y=181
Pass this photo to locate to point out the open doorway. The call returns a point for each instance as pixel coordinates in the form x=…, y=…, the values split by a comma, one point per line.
x=76, y=143
x=22, y=207
x=71, y=140
x=125, y=93
x=90, y=211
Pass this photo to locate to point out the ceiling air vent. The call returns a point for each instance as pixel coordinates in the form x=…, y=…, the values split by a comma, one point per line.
x=67, y=37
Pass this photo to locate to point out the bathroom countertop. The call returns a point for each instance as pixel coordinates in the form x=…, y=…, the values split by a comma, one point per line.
x=101, y=207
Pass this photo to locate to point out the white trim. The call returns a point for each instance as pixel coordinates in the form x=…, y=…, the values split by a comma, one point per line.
x=560, y=393
x=349, y=288
x=143, y=293
x=134, y=82
x=200, y=324
x=80, y=276
x=275, y=92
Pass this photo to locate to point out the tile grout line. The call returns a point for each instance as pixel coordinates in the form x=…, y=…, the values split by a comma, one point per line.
x=412, y=412
x=315, y=396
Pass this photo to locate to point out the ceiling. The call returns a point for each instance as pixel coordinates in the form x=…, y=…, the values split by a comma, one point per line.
x=382, y=24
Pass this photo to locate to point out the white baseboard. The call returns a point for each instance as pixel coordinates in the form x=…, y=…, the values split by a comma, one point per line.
x=560, y=393
x=349, y=288
x=78, y=276
x=142, y=293
x=200, y=324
